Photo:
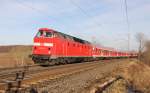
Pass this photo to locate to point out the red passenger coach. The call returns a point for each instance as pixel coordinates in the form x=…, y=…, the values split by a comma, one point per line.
x=51, y=46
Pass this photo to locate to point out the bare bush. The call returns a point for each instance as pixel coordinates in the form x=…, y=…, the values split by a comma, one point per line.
x=144, y=48
x=20, y=55
x=146, y=53
x=141, y=40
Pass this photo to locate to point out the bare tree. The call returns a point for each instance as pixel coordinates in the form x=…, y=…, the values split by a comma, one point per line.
x=141, y=40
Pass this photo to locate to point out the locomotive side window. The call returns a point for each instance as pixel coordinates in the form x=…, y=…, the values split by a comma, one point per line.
x=48, y=34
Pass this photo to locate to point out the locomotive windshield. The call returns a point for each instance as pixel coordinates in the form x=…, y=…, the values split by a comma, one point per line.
x=44, y=34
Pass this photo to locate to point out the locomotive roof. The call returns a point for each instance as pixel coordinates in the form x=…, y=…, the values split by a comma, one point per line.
x=75, y=38
x=47, y=29
x=66, y=35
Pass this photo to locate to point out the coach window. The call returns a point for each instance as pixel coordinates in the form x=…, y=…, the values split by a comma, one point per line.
x=68, y=44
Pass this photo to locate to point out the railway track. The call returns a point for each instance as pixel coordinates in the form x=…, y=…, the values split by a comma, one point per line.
x=7, y=72
x=37, y=75
x=11, y=72
x=33, y=69
x=15, y=69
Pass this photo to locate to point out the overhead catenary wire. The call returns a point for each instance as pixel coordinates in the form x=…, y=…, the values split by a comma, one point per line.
x=127, y=17
x=41, y=12
x=128, y=23
x=51, y=17
x=54, y=18
x=84, y=12
x=124, y=6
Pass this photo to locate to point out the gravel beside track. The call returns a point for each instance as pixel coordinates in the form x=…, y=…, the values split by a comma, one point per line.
x=70, y=78
x=33, y=72
x=77, y=82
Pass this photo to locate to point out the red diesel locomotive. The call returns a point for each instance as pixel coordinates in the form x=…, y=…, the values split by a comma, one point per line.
x=51, y=46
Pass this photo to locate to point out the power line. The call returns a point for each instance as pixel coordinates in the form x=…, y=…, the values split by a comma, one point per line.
x=51, y=17
x=128, y=23
x=36, y=9
x=84, y=12
x=126, y=12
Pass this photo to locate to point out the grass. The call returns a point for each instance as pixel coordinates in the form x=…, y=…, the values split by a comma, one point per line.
x=118, y=87
x=15, y=56
x=21, y=54
x=137, y=74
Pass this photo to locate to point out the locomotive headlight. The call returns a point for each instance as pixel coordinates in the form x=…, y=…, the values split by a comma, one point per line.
x=48, y=44
x=36, y=44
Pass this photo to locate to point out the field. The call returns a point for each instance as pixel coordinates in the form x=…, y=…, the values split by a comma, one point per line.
x=13, y=56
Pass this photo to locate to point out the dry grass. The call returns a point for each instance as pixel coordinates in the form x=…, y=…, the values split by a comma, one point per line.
x=137, y=75
x=14, y=56
x=118, y=87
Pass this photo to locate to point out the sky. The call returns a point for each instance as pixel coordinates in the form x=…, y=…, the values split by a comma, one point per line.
x=103, y=21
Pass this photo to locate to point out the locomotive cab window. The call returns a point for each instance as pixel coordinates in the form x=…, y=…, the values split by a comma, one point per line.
x=39, y=34
x=44, y=34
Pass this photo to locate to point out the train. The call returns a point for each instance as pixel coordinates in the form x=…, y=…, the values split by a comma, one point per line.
x=54, y=47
